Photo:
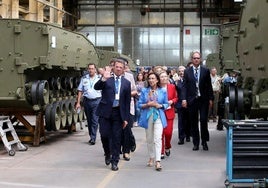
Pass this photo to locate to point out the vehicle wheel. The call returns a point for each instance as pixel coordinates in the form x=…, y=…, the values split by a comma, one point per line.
x=34, y=89
x=75, y=115
x=12, y=152
x=69, y=112
x=48, y=117
x=55, y=116
x=232, y=99
x=63, y=111
x=43, y=92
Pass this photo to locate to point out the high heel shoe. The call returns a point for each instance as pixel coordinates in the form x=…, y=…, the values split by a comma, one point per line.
x=150, y=163
x=158, y=166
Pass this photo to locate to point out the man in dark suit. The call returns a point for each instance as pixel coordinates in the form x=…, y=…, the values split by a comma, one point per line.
x=113, y=111
x=197, y=96
x=184, y=129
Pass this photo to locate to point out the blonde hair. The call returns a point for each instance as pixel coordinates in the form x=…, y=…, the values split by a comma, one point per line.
x=195, y=52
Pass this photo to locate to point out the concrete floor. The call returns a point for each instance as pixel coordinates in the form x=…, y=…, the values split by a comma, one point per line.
x=67, y=161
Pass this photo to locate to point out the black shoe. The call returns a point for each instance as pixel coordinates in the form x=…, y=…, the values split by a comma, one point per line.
x=167, y=152
x=126, y=157
x=195, y=148
x=181, y=142
x=205, y=146
x=114, y=167
x=91, y=142
x=107, y=160
x=219, y=128
x=133, y=148
x=162, y=156
x=188, y=139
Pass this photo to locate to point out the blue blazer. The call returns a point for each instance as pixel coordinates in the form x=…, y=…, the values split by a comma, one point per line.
x=107, y=88
x=189, y=86
x=161, y=99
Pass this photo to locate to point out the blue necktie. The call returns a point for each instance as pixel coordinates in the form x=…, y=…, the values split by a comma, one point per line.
x=116, y=84
x=116, y=102
x=196, y=81
x=196, y=74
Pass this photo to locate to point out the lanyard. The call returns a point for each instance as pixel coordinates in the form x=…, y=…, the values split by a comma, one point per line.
x=92, y=81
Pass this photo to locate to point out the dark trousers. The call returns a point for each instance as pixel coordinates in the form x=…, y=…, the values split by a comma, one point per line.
x=184, y=128
x=199, y=109
x=90, y=107
x=128, y=139
x=111, y=133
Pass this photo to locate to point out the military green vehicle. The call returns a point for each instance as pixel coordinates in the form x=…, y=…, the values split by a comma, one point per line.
x=40, y=69
x=228, y=56
x=252, y=52
x=243, y=52
x=106, y=55
x=226, y=60
x=213, y=60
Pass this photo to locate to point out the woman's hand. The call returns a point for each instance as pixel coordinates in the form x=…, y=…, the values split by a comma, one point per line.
x=159, y=106
x=184, y=103
x=155, y=104
x=151, y=103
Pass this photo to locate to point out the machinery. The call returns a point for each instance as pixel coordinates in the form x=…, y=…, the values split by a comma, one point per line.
x=228, y=57
x=246, y=142
x=40, y=69
x=246, y=157
x=226, y=60
x=243, y=53
x=105, y=56
x=252, y=53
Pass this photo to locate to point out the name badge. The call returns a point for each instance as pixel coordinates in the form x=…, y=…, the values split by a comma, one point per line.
x=117, y=96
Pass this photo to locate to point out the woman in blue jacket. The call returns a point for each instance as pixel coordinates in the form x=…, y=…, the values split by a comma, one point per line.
x=152, y=103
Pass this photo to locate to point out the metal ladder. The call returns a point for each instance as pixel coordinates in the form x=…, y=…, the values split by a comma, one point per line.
x=7, y=126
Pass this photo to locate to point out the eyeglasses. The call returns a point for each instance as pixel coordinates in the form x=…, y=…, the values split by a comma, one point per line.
x=196, y=57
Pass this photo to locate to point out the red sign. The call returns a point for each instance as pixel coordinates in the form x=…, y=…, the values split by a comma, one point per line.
x=187, y=32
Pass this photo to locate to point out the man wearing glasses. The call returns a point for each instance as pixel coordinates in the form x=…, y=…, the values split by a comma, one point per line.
x=197, y=96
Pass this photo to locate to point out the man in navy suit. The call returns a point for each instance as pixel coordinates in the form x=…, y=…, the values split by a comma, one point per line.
x=184, y=129
x=197, y=96
x=113, y=111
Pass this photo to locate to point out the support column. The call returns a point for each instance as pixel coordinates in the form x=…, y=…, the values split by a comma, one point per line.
x=40, y=12
x=15, y=9
x=59, y=13
x=32, y=11
x=182, y=35
x=52, y=12
x=39, y=131
x=4, y=8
